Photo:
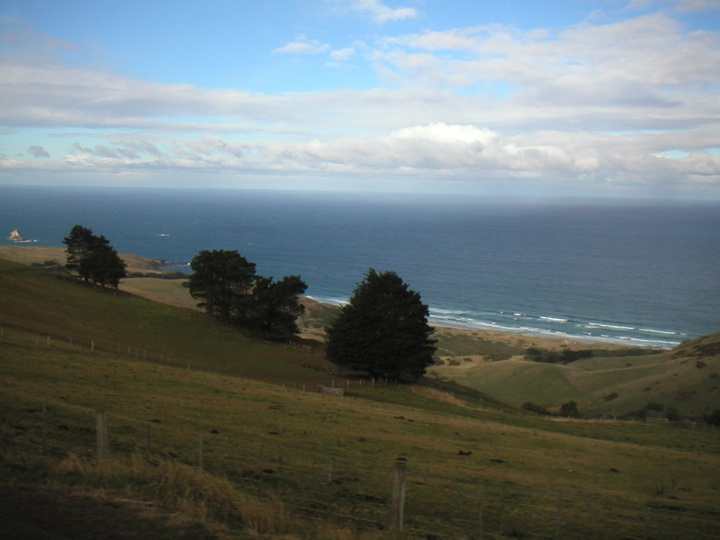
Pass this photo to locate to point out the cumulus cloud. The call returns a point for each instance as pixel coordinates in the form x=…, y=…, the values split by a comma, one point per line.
x=431, y=151
x=380, y=12
x=341, y=55
x=303, y=45
x=38, y=151
x=631, y=102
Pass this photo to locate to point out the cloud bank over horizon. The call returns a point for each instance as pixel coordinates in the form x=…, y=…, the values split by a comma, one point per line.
x=361, y=94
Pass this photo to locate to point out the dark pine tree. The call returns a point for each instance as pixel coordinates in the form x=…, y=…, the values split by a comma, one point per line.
x=93, y=257
x=383, y=330
x=273, y=307
x=222, y=279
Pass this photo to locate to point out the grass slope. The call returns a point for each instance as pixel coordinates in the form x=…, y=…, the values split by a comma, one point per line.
x=40, y=303
x=683, y=378
x=255, y=430
x=604, y=471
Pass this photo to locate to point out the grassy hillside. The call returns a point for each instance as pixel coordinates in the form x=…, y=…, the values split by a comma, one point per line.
x=40, y=303
x=268, y=447
x=685, y=379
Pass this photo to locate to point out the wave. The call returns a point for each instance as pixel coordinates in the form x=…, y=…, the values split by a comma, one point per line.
x=333, y=301
x=541, y=326
x=554, y=319
x=660, y=332
x=612, y=326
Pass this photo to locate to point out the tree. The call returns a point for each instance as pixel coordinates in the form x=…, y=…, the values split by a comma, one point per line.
x=383, y=330
x=273, y=306
x=569, y=409
x=78, y=244
x=93, y=257
x=222, y=279
x=232, y=292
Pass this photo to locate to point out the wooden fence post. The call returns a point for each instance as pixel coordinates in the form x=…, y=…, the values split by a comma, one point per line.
x=480, y=509
x=44, y=428
x=558, y=517
x=200, y=451
x=331, y=472
x=398, y=495
x=647, y=525
x=261, y=468
x=102, y=436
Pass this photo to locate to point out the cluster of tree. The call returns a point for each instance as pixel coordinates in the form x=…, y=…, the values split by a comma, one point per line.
x=383, y=330
x=566, y=409
x=93, y=258
x=556, y=357
x=232, y=292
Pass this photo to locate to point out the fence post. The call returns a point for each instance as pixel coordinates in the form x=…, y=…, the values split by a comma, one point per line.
x=398, y=495
x=646, y=528
x=44, y=428
x=480, y=509
x=558, y=516
x=261, y=467
x=102, y=436
x=331, y=472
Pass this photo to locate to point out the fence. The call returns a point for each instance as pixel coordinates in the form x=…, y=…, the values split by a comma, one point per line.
x=363, y=494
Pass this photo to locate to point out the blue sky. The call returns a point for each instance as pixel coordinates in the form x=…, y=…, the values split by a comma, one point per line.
x=595, y=98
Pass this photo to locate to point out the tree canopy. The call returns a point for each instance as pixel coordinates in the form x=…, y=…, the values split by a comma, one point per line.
x=222, y=279
x=232, y=292
x=383, y=330
x=93, y=258
x=273, y=306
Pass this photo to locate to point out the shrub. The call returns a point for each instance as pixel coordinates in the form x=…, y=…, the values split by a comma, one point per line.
x=529, y=406
x=569, y=409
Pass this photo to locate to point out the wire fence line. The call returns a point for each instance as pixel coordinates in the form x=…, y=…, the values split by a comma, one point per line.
x=362, y=493
x=121, y=350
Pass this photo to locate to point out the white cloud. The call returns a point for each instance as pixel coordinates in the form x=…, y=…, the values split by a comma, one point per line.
x=380, y=12
x=303, y=45
x=342, y=55
x=592, y=104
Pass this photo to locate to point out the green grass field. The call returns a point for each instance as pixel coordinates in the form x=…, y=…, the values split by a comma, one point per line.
x=268, y=446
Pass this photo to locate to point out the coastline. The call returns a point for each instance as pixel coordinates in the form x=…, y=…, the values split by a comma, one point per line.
x=442, y=320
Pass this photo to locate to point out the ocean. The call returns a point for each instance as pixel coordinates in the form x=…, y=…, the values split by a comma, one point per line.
x=641, y=273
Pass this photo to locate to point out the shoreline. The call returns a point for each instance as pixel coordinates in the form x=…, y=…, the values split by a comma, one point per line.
x=27, y=254
x=475, y=325
x=549, y=334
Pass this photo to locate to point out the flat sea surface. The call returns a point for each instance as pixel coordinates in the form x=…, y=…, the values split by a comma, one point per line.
x=637, y=272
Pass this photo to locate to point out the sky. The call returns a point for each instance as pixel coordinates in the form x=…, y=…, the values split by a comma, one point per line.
x=599, y=98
